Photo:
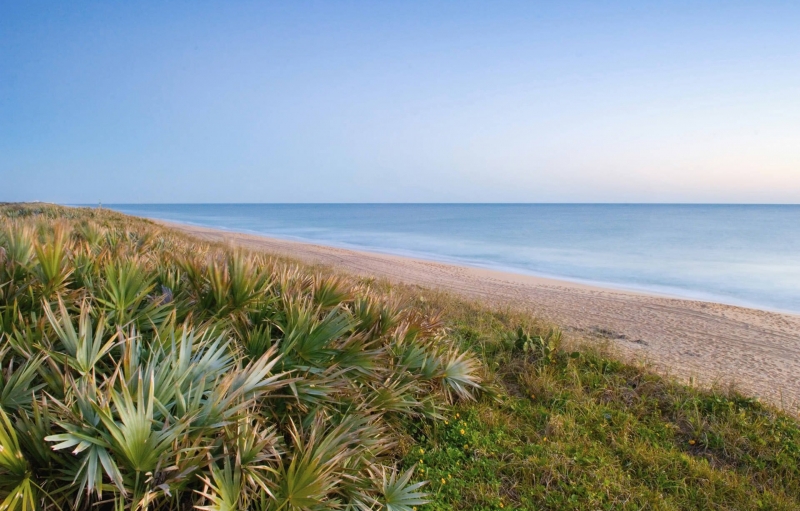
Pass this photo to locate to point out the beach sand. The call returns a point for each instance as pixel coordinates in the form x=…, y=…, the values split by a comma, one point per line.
x=758, y=352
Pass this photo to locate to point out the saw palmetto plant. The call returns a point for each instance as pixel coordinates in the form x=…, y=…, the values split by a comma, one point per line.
x=142, y=369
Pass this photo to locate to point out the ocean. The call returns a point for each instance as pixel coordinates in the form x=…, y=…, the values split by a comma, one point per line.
x=737, y=254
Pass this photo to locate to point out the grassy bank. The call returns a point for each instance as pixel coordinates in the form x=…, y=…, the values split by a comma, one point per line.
x=581, y=430
x=145, y=370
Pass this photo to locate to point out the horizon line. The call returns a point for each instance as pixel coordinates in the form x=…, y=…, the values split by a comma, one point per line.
x=422, y=203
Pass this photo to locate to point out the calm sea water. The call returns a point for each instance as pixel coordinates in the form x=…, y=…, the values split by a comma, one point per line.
x=747, y=255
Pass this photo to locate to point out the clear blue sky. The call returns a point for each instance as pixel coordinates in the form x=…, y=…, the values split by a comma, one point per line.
x=400, y=101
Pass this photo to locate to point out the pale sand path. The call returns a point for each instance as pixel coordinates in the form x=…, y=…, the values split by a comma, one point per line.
x=758, y=351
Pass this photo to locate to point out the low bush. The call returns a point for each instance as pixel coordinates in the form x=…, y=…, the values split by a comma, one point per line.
x=144, y=370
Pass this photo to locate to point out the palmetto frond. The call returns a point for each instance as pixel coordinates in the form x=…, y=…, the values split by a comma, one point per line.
x=16, y=487
x=309, y=340
x=17, y=384
x=397, y=394
x=124, y=294
x=256, y=341
x=17, y=252
x=311, y=479
x=18, y=241
x=32, y=427
x=330, y=291
x=85, y=348
x=460, y=375
x=81, y=425
x=224, y=487
x=237, y=390
x=235, y=285
x=257, y=452
x=91, y=233
x=397, y=494
x=52, y=269
x=133, y=435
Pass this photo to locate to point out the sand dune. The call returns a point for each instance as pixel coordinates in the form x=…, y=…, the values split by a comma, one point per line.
x=757, y=351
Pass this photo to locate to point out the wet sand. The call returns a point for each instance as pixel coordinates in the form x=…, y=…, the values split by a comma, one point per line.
x=712, y=344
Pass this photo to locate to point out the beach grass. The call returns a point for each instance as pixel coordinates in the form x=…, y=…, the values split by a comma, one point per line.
x=144, y=369
x=582, y=430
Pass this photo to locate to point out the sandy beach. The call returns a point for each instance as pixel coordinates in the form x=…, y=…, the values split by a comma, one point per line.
x=712, y=344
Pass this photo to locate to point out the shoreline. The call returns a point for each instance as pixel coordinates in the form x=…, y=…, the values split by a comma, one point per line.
x=544, y=278
x=756, y=351
x=534, y=278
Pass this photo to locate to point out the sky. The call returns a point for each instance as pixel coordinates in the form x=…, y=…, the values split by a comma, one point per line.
x=344, y=101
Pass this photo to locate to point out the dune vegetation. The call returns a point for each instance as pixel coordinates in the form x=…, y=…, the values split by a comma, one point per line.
x=144, y=369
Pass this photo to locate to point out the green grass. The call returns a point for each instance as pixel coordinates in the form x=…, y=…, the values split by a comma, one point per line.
x=582, y=430
x=553, y=427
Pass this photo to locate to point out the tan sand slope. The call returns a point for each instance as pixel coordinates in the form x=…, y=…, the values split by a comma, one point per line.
x=758, y=351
